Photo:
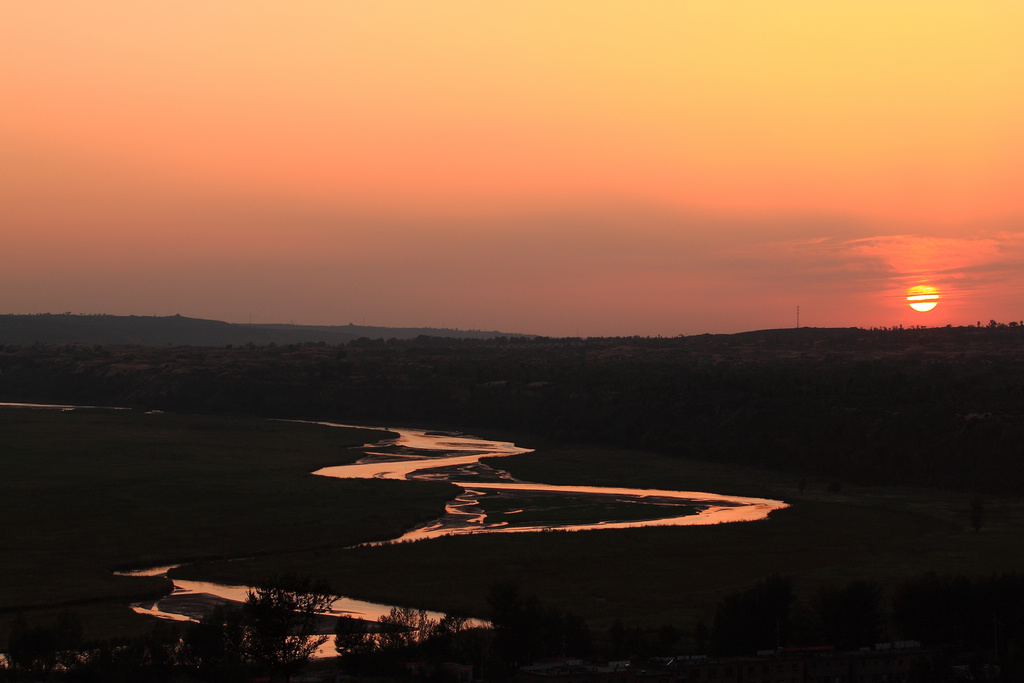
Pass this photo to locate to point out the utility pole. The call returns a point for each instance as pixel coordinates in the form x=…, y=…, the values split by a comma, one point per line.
x=798, y=317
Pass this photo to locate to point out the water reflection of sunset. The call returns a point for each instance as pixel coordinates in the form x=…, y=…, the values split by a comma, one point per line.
x=440, y=456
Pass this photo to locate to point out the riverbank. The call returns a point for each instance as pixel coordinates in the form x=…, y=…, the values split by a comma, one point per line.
x=493, y=501
x=97, y=491
x=678, y=576
x=126, y=489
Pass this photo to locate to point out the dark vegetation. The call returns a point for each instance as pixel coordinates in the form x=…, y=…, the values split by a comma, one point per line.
x=407, y=639
x=979, y=615
x=927, y=407
x=177, y=330
x=898, y=449
x=280, y=626
x=655, y=576
x=85, y=493
x=275, y=632
x=543, y=510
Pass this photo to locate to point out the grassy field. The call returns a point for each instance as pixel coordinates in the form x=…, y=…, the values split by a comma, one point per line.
x=675, y=575
x=557, y=509
x=83, y=493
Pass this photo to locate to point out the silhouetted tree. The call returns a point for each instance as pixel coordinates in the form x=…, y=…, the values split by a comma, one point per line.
x=281, y=622
x=849, y=617
x=757, y=618
x=277, y=629
x=524, y=629
x=404, y=635
x=351, y=635
x=641, y=643
x=402, y=629
x=37, y=651
x=354, y=642
x=215, y=645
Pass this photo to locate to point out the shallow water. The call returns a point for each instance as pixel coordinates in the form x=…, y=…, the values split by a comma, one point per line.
x=439, y=456
x=443, y=456
x=190, y=600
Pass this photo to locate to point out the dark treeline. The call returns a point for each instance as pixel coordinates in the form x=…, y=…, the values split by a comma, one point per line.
x=522, y=630
x=66, y=328
x=768, y=616
x=274, y=634
x=972, y=621
x=967, y=621
x=933, y=407
x=970, y=618
x=271, y=636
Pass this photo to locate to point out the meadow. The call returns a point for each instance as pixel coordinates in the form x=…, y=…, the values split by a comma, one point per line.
x=559, y=509
x=87, y=492
x=677, y=575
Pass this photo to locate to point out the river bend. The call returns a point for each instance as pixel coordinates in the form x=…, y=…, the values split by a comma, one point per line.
x=453, y=457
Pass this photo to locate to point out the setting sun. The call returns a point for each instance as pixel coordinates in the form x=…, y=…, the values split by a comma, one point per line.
x=922, y=298
x=577, y=168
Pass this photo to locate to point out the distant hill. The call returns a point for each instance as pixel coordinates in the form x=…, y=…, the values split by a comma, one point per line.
x=178, y=330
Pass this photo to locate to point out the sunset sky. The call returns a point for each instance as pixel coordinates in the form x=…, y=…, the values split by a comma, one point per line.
x=549, y=167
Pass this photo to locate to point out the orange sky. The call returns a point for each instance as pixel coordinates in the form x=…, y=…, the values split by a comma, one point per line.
x=557, y=168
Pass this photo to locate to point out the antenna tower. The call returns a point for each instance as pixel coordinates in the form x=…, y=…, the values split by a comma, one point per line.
x=798, y=317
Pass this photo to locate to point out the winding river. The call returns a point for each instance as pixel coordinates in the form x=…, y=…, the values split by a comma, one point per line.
x=453, y=457
x=491, y=501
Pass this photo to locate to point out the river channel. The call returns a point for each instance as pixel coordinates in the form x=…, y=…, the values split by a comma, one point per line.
x=491, y=501
x=453, y=457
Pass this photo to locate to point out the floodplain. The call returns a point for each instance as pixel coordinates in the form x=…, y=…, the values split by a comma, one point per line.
x=89, y=492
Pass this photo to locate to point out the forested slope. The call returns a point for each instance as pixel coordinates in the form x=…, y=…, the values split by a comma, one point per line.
x=942, y=407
